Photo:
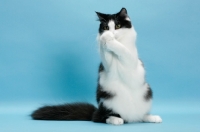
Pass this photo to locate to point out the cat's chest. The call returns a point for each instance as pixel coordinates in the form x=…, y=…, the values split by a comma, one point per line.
x=122, y=76
x=123, y=72
x=115, y=63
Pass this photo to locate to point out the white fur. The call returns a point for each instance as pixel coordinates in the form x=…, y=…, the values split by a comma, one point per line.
x=128, y=19
x=152, y=119
x=124, y=76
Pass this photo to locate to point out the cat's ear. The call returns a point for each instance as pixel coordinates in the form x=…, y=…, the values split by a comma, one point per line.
x=123, y=12
x=101, y=16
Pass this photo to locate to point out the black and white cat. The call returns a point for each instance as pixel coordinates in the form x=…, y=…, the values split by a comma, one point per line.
x=123, y=95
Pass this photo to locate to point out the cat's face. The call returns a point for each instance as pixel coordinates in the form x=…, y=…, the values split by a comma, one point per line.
x=117, y=23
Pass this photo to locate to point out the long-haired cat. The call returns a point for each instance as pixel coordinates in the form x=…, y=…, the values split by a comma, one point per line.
x=122, y=95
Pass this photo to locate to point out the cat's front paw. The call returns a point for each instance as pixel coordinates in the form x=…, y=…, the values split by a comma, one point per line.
x=106, y=37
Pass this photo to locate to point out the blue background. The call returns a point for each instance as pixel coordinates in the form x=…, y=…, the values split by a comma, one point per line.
x=49, y=55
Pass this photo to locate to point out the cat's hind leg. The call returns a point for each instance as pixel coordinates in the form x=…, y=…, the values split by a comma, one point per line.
x=152, y=119
x=114, y=120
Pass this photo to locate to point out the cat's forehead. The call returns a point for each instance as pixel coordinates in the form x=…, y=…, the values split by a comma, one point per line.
x=115, y=17
x=112, y=17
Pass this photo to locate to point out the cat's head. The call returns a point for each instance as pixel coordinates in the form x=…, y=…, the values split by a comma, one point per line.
x=117, y=23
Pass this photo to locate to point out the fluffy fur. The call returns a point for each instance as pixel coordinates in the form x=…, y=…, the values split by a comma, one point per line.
x=122, y=93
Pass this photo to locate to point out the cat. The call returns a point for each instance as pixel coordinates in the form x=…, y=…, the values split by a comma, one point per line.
x=123, y=95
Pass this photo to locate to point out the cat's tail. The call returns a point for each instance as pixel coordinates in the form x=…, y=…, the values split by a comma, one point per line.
x=73, y=111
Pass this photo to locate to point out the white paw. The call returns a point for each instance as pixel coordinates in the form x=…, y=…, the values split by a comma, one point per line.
x=114, y=120
x=106, y=37
x=152, y=119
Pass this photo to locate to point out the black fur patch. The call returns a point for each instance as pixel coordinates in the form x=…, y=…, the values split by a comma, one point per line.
x=101, y=94
x=149, y=94
x=102, y=114
x=74, y=111
x=118, y=18
x=101, y=68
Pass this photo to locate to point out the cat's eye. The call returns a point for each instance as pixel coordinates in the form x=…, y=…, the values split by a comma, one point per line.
x=106, y=28
x=117, y=26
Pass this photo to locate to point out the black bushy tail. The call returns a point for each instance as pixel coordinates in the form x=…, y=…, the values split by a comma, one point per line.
x=73, y=111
